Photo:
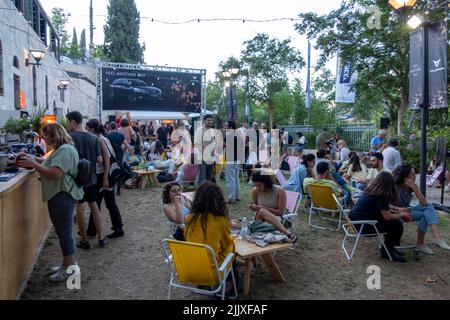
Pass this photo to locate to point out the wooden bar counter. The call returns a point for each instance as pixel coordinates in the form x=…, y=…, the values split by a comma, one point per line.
x=24, y=225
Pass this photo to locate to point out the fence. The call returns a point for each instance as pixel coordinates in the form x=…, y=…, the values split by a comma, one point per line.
x=358, y=136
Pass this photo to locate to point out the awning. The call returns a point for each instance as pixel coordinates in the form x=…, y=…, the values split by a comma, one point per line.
x=155, y=115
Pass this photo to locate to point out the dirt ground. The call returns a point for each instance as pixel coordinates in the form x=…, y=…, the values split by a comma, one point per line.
x=133, y=267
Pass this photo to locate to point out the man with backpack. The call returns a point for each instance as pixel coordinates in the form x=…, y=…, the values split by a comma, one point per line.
x=88, y=147
x=120, y=145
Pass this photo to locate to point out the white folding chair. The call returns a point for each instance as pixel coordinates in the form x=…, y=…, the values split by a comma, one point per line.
x=352, y=232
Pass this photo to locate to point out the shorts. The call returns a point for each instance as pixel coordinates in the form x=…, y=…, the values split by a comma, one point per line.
x=90, y=194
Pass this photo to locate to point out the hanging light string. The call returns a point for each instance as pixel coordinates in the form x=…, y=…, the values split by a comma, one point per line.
x=198, y=20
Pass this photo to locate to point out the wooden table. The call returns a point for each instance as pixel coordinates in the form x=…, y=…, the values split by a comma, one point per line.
x=146, y=176
x=248, y=251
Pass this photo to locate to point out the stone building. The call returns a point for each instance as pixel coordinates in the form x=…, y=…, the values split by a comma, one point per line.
x=26, y=30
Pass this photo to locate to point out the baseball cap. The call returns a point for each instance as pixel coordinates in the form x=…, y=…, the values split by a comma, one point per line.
x=382, y=131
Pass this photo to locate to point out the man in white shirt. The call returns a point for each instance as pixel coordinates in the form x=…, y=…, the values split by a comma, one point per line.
x=391, y=155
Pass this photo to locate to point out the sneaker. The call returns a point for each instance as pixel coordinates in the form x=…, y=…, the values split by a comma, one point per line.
x=231, y=201
x=102, y=243
x=425, y=249
x=447, y=189
x=61, y=275
x=84, y=245
x=54, y=270
x=441, y=244
x=116, y=234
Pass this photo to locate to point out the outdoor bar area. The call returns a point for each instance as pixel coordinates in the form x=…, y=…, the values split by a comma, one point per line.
x=24, y=224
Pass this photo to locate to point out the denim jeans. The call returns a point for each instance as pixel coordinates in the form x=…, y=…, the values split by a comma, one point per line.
x=61, y=209
x=424, y=215
x=232, y=179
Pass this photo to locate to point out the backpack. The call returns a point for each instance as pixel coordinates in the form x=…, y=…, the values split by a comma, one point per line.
x=83, y=177
x=290, y=139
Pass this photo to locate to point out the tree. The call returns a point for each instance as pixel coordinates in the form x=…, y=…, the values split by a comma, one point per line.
x=122, y=32
x=379, y=54
x=82, y=46
x=59, y=21
x=74, y=51
x=268, y=62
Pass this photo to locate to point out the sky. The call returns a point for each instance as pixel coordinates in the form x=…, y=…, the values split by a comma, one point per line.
x=201, y=45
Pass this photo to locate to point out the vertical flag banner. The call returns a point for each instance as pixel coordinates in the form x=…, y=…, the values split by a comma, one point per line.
x=416, y=67
x=437, y=66
x=345, y=79
x=308, y=79
x=437, y=63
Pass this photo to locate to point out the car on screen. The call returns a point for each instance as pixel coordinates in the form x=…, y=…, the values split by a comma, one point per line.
x=133, y=90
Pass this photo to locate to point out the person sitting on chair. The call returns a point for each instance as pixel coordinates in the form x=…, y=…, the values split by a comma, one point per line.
x=374, y=205
x=306, y=170
x=176, y=207
x=269, y=203
x=324, y=178
x=424, y=213
x=208, y=221
x=357, y=171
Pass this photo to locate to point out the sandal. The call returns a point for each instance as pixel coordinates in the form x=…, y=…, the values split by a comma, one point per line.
x=293, y=238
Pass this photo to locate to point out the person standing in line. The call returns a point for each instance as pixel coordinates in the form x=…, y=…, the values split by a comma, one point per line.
x=59, y=190
x=88, y=147
x=105, y=190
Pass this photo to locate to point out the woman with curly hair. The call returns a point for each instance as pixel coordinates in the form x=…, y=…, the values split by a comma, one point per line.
x=208, y=222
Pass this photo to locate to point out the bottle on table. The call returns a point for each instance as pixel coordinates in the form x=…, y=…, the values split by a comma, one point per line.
x=244, y=229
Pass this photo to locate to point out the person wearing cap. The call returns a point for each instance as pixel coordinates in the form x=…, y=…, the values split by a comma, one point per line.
x=377, y=143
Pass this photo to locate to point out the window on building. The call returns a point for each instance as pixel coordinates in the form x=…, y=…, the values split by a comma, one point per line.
x=62, y=95
x=34, y=87
x=16, y=92
x=54, y=107
x=16, y=62
x=46, y=92
x=1, y=70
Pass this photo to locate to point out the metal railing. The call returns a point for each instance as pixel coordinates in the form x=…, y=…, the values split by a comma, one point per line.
x=358, y=136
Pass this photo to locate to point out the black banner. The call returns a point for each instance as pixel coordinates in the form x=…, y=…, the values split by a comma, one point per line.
x=416, y=75
x=437, y=63
x=148, y=90
x=437, y=66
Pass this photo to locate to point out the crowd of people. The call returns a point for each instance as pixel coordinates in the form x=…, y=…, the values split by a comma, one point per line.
x=384, y=186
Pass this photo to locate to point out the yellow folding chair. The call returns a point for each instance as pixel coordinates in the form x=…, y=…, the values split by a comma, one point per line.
x=193, y=265
x=324, y=200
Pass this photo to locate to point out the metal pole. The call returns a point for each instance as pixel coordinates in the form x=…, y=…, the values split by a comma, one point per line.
x=424, y=118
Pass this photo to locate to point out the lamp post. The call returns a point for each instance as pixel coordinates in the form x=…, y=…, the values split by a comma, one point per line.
x=37, y=55
x=415, y=22
x=229, y=75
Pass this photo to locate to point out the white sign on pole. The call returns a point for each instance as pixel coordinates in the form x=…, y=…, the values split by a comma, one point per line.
x=345, y=79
